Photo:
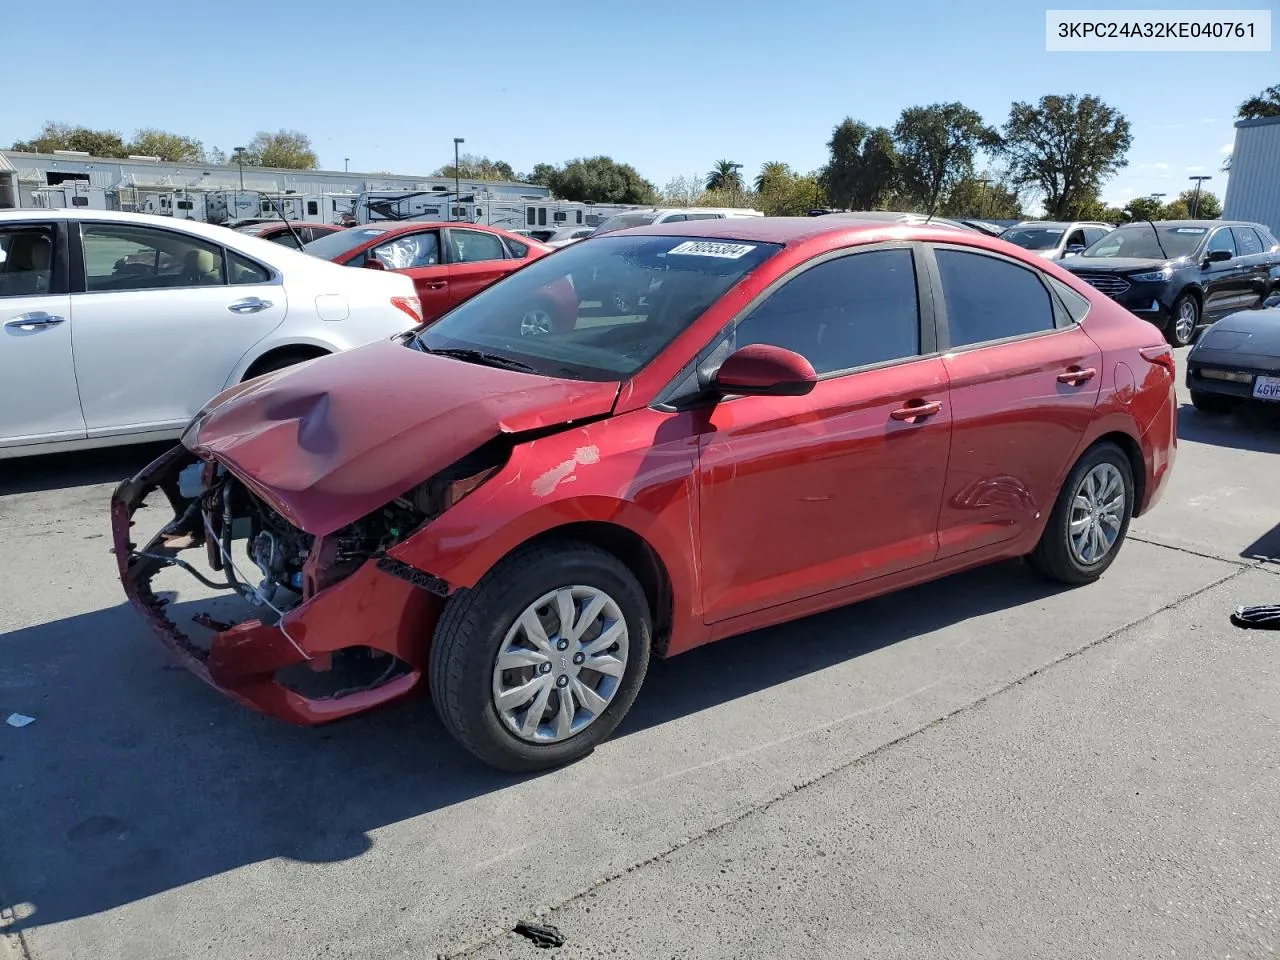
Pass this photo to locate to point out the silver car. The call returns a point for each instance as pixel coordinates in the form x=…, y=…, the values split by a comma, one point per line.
x=1056, y=240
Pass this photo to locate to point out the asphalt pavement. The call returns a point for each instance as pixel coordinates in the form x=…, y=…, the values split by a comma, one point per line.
x=984, y=766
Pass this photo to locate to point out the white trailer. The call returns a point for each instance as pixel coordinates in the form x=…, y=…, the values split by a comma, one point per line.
x=71, y=193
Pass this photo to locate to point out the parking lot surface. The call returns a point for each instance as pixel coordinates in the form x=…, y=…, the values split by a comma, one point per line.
x=988, y=765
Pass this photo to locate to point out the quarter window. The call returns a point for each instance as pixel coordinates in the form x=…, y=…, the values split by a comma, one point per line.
x=120, y=256
x=848, y=312
x=1247, y=241
x=26, y=261
x=472, y=246
x=989, y=299
x=243, y=270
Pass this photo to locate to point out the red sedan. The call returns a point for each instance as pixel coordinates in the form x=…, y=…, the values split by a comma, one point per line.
x=449, y=262
x=288, y=234
x=808, y=412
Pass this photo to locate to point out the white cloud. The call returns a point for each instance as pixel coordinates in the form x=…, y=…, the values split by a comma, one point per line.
x=1226, y=148
x=1153, y=166
x=1194, y=169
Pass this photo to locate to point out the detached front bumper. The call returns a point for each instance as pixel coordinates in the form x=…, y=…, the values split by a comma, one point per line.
x=368, y=609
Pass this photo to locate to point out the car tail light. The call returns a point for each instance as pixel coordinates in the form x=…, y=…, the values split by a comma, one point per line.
x=411, y=306
x=1161, y=356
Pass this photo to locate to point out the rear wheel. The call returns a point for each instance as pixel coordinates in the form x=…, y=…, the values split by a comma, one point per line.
x=1211, y=402
x=278, y=361
x=1184, y=321
x=538, y=664
x=1090, y=518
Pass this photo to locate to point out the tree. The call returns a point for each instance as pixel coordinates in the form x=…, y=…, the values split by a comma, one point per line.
x=1145, y=208
x=473, y=167
x=787, y=194
x=863, y=166
x=1066, y=147
x=542, y=174
x=935, y=146
x=1209, y=206
x=725, y=175
x=771, y=174
x=601, y=180
x=62, y=136
x=681, y=192
x=1264, y=104
x=286, y=149
x=150, y=142
x=215, y=156
x=982, y=197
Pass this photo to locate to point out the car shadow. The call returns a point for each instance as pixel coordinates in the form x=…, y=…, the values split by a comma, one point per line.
x=1266, y=548
x=1248, y=427
x=136, y=778
x=54, y=471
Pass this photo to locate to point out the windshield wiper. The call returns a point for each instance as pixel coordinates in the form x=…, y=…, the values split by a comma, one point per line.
x=477, y=356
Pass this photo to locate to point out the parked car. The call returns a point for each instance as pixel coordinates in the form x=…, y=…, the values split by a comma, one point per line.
x=1237, y=360
x=662, y=215
x=163, y=314
x=1055, y=240
x=448, y=262
x=567, y=235
x=1181, y=274
x=906, y=218
x=519, y=523
x=277, y=231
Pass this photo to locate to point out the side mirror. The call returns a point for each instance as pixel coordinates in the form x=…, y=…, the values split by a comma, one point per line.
x=1217, y=256
x=1073, y=249
x=763, y=370
x=373, y=263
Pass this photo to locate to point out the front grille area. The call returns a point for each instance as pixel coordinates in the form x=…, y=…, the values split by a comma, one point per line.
x=1108, y=283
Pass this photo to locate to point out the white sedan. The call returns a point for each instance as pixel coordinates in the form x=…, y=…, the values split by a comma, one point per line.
x=118, y=327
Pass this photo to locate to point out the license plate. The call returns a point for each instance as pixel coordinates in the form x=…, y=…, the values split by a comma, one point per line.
x=1266, y=388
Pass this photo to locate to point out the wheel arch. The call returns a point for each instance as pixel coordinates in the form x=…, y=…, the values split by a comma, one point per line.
x=263, y=353
x=1132, y=450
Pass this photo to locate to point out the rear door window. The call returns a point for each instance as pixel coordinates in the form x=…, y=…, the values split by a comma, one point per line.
x=26, y=261
x=473, y=246
x=123, y=256
x=1247, y=241
x=988, y=299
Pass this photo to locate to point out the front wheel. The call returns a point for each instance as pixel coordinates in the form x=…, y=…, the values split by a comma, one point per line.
x=1184, y=321
x=1090, y=518
x=537, y=665
x=1211, y=402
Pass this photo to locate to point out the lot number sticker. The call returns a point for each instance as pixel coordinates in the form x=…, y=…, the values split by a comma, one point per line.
x=708, y=248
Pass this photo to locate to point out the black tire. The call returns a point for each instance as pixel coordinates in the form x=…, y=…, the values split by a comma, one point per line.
x=278, y=361
x=1054, y=556
x=474, y=624
x=1185, y=302
x=1211, y=402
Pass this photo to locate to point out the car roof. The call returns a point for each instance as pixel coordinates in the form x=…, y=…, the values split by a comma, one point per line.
x=789, y=229
x=214, y=232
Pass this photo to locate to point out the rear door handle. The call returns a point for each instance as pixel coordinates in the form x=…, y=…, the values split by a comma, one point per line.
x=916, y=410
x=1076, y=375
x=34, y=320
x=249, y=305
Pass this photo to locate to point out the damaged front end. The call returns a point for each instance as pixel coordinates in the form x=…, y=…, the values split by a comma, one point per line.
x=331, y=627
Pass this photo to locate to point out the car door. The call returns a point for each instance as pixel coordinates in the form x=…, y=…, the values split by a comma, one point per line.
x=800, y=495
x=1225, y=282
x=39, y=400
x=476, y=260
x=1257, y=266
x=161, y=320
x=418, y=255
x=1024, y=380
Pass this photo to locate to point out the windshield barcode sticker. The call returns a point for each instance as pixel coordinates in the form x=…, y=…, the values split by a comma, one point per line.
x=708, y=248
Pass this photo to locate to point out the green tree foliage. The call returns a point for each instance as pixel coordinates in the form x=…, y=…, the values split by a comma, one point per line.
x=150, y=142
x=725, y=175
x=772, y=173
x=1065, y=147
x=600, y=180
x=1145, y=208
x=780, y=192
x=1209, y=206
x=1264, y=104
x=478, y=168
x=982, y=197
x=681, y=192
x=936, y=145
x=286, y=149
x=863, y=168
x=215, y=156
x=541, y=174
x=62, y=136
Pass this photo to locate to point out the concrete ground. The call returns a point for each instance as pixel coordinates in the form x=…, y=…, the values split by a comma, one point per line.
x=985, y=766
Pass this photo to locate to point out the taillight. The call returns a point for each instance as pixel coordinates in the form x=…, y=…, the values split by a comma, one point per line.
x=411, y=306
x=1161, y=356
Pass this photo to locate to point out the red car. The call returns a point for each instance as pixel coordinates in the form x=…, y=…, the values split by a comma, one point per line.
x=809, y=412
x=449, y=262
x=280, y=232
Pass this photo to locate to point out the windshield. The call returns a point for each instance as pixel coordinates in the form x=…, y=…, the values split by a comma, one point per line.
x=1034, y=238
x=1138, y=241
x=624, y=221
x=333, y=245
x=600, y=309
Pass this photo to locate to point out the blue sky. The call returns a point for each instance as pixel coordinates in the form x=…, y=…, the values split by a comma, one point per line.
x=669, y=86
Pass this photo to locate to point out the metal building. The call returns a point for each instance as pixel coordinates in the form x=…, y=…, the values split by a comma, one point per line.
x=1253, y=190
x=126, y=182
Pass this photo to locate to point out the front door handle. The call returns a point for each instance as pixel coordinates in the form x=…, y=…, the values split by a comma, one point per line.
x=916, y=410
x=436, y=284
x=1077, y=375
x=249, y=305
x=34, y=320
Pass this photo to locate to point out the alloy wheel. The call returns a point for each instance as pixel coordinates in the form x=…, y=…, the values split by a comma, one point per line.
x=1097, y=513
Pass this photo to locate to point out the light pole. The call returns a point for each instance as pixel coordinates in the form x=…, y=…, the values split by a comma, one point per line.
x=457, y=177
x=346, y=164
x=982, y=202
x=239, y=152
x=733, y=179
x=1195, y=200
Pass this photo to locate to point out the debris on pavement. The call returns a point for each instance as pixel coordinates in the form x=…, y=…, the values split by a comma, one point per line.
x=19, y=720
x=540, y=935
x=1260, y=617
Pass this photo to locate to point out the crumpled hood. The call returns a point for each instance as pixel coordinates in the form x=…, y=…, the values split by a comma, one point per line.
x=331, y=440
